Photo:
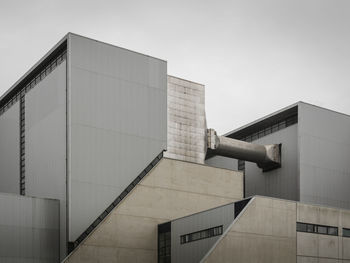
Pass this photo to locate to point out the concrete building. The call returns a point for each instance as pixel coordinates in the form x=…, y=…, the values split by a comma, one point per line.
x=119, y=155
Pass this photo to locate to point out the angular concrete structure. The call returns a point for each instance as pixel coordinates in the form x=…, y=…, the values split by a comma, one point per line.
x=171, y=189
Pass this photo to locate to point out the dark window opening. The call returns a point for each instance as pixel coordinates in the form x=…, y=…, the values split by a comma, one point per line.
x=239, y=206
x=241, y=165
x=207, y=233
x=317, y=229
x=271, y=129
x=346, y=232
x=164, y=243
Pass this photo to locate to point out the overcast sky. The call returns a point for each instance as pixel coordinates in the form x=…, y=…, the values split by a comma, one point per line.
x=254, y=56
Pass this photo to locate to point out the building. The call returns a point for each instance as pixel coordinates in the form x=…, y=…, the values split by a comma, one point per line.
x=315, y=155
x=114, y=149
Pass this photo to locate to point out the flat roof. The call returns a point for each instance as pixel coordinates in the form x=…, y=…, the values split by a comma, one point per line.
x=38, y=66
x=272, y=118
x=264, y=121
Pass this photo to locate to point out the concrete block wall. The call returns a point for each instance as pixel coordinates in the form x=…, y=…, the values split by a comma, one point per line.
x=186, y=120
x=171, y=190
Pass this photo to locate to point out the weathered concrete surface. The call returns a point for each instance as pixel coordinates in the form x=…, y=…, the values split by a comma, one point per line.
x=322, y=248
x=265, y=232
x=172, y=189
x=186, y=120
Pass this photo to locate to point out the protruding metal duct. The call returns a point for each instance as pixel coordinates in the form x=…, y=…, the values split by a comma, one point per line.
x=267, y=157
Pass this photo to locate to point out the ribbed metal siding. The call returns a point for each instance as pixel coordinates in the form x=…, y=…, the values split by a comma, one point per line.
x=9, y=150
x=324, y=141
x=29, y=229
x=281, y=182
x=45, y=141
x=117, y=126
x=194, y=251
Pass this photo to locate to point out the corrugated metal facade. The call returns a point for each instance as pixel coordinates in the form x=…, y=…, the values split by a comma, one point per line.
x=45, y=142
x=281, y=182
x=9, y=150
x=324, y=149
x=195, y=251
x=117, y=126
x=29, y=229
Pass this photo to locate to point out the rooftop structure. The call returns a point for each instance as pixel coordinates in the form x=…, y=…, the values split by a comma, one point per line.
x=118, y=158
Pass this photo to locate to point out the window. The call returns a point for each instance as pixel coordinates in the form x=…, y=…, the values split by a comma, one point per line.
x=317, y=229
x=322, y=230
x=346, y=232
x=241, y=165
x=41, y=75
x=274, y=127
x=164, y=243
x=207, y=233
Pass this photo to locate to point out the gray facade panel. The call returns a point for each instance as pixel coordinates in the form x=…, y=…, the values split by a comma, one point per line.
x=118, y=124
x=29, y=229
x=195, y=251
x=281, y=182
x=9, y=150
x=223, y=162
x=45, y=142
x=324, y=156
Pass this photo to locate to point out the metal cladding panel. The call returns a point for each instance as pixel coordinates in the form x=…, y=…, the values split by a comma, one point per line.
x=29, y=229
x=9, y=150
x=281, y=182
x=118, y=124
x=45, y=142
x=324, y=144
x=222, y=162
x=186, y=121
x=195, y=251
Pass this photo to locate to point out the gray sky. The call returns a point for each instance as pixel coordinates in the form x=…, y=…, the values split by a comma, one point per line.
x=254, y=56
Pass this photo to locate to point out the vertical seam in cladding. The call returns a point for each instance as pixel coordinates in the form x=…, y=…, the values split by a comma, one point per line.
x=68, y=60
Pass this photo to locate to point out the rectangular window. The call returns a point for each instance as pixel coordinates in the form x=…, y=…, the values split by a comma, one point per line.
x=206, y=233
x=346, y=232
x=164, y=242
x=241, y=165
x=317, y=229
x=322, y=230
x=333, y=231
x=301, y=227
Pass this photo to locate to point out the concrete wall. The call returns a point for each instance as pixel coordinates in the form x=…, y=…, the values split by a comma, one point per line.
x=45, y=142
x=264, y=232
x=9, y=150
x=117, y=124
x=324, y=146
x=281, y=182
x=29, y=229
x=323, y=248
x=171, y=190
x=186, y=120
x=195, y=251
